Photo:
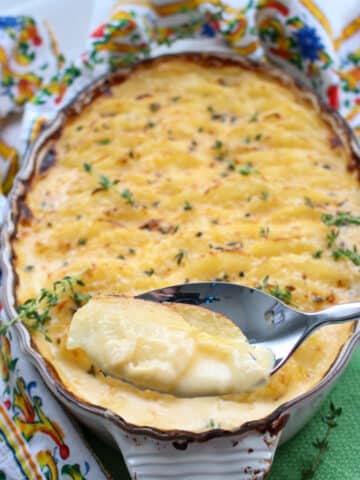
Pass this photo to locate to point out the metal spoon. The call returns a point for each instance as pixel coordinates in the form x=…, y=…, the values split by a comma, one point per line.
x=264, y=319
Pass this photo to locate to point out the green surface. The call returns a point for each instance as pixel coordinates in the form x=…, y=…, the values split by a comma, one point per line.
x=341, y=461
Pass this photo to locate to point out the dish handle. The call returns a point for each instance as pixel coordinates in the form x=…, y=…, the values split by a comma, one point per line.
x=245, y=457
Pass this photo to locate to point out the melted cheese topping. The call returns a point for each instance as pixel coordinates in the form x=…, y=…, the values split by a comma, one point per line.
x=159, y=347
x=230, y=172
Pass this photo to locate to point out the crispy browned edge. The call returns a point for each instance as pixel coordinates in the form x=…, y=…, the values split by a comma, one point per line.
x=180, y=438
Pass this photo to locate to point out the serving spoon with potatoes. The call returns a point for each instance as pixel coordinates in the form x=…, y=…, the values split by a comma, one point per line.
x=262, y=318
x=195, y=339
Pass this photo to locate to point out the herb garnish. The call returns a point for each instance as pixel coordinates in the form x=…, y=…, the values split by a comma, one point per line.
x=317, y=254
x=331, y=237
x=105, y=184
x=187, y=205
x=149, y=272
x=128, y=196
x=154, y=107
x=228, y=247
x=264, y=232
x=340, y=219
x=216, y=247
x=284, y=295
x=218, y=144
x=264, y=195
x=179, y=257
x=322, y=444
x=231, y=165
x=211, y=424
x=352, y=255
x=247, y=170
x=87, y=167
x=35, y=312
x=104, y=141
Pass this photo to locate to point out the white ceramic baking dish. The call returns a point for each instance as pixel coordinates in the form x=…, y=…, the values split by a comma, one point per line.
x=245, y=453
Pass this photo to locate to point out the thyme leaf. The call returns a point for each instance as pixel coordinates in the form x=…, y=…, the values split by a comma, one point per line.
x=331, y=237
x=35, y=312
x=106, y=184
x=179, y=257
x=284, y=295
x=231, y=165
x=104, y=141
x=218, y=144
x=128, y=196
x=87, y=167
x=340, y=219
x=264, y=232
x=352, y=255
x=247, y=169
x=322, y=444
x=149, y=272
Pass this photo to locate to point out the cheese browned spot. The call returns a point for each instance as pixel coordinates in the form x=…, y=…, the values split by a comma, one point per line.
x=159, y=347
x=229, y=176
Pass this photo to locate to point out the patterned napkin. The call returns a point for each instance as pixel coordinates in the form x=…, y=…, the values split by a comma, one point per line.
x=317, y=43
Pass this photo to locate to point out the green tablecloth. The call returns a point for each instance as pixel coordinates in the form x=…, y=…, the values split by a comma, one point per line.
x=341, y=461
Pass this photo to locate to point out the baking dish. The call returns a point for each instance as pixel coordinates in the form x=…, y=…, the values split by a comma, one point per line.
x=247, y=451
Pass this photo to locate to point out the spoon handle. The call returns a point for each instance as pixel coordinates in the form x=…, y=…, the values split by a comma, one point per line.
x=337, y=314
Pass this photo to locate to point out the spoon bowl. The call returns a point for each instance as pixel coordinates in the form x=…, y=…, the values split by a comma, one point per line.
x=264, y=320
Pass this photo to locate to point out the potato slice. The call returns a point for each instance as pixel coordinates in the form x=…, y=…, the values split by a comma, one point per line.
x=175, y=348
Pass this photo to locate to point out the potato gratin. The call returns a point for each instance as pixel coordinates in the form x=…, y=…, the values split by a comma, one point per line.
x=192, y=170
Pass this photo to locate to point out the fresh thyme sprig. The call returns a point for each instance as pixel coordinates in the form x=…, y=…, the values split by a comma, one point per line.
x=285, y=295
x=35, y=312
x=322, y=444
x=105, y=183
x=340, y=219
x=352, y=255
